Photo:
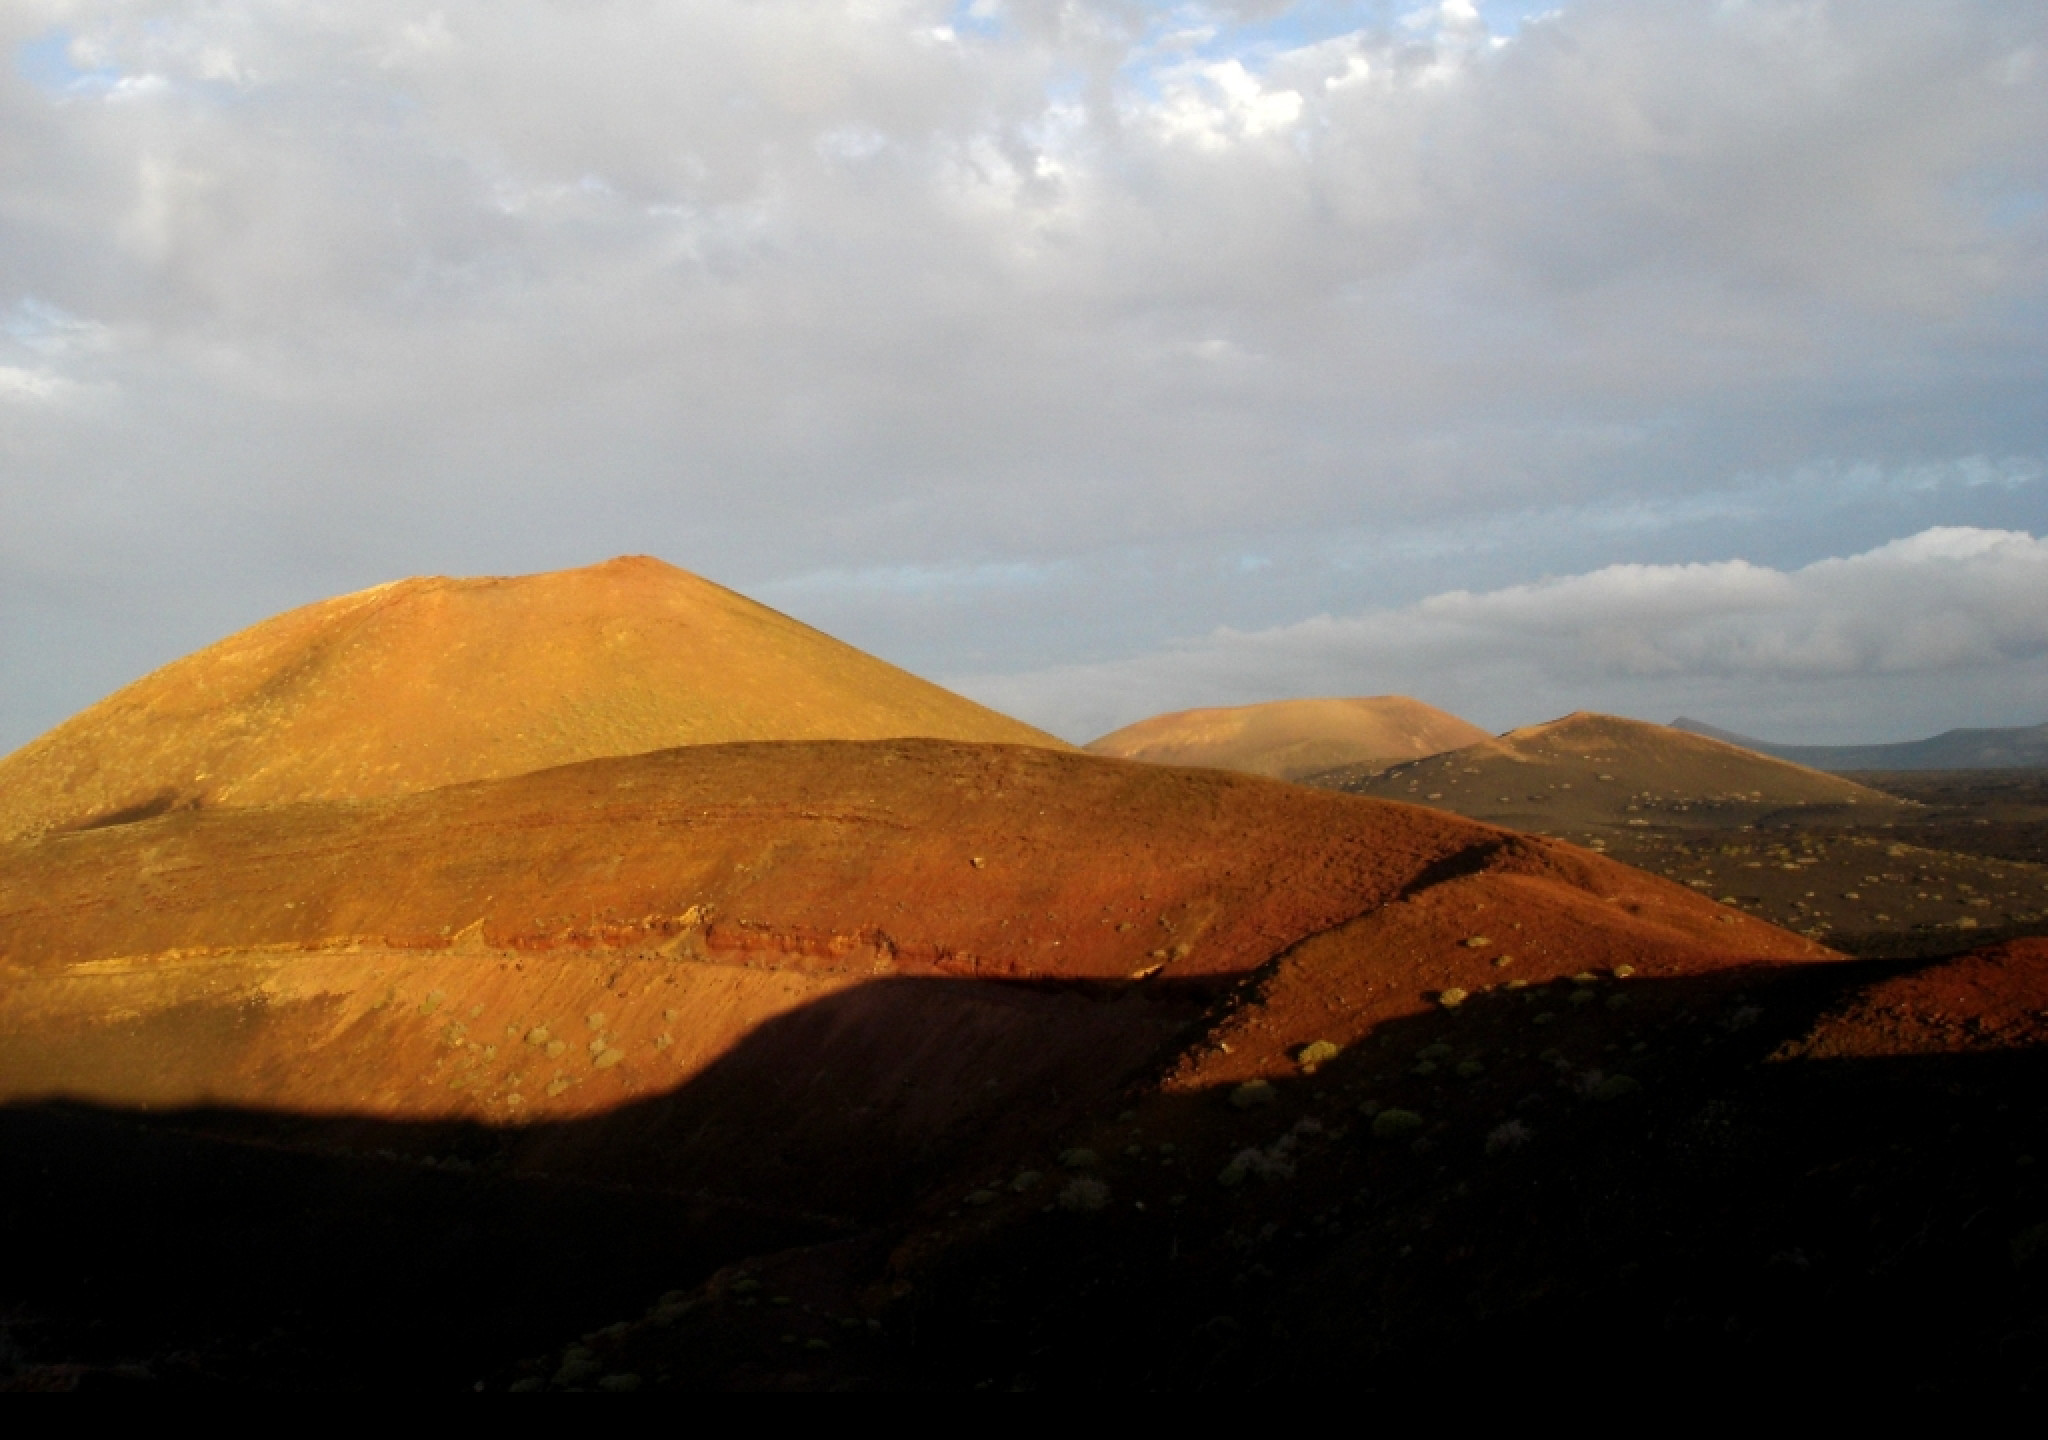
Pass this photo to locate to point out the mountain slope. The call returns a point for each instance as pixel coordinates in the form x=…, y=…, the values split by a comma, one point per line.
x=948, y=941
x=430, y=682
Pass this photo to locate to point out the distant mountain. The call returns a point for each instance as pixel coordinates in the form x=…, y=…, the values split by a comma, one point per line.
x=2021, y=745
x=1293, y=739
x=1594, y=772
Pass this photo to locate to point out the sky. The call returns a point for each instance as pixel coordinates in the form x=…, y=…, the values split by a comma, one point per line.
x=1095, y=359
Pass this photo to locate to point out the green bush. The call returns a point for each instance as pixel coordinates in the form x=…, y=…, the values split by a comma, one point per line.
x=2030, y=1245
x=1320, y=1052
x=1253, y=1092
x=1084, y=1193
x=1396, y=1124
x=1614, y=1087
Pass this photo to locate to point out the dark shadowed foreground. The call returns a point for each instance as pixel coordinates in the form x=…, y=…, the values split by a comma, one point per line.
x=1816, y=1175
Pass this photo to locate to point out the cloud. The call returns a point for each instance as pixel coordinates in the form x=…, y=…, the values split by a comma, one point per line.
x=1106, y=293
x=21, y=386
x=1946, y=607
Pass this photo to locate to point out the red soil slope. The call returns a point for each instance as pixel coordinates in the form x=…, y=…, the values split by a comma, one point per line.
x=845, y=945
x=1292, y=739
x=431, y=682
x=1995, y=998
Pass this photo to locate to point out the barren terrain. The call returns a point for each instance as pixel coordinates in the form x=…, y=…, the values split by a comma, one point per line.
x=1880, y=864
x=891, y=1062
x=1293, y=739
x=782, y=990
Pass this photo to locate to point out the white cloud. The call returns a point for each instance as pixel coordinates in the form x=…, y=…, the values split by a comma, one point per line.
x=1948, y=606
x=20, y=386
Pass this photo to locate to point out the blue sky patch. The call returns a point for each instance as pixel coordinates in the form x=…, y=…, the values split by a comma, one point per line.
x=45, y=62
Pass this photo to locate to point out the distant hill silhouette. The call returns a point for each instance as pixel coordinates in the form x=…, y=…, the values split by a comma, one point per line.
x=435, y=681
x=1601, y=771
x=2003, y=749
x=1293, y=739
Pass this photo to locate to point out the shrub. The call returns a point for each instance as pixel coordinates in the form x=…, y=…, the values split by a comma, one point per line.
x=1275, y=1162
x=1395, y=1124
x=2030, y=1245
x=1084, y=1193
x=1507, y=1137
x=1253, y=1092
x=578, y=1365
x=1320, y=1052
x=1612, y=1087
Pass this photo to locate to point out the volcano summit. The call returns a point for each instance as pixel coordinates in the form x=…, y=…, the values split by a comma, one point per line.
x=435, y=681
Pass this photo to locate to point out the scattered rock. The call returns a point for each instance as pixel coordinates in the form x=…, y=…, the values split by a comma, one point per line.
x=1080, y=1159
x=1452, y=998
